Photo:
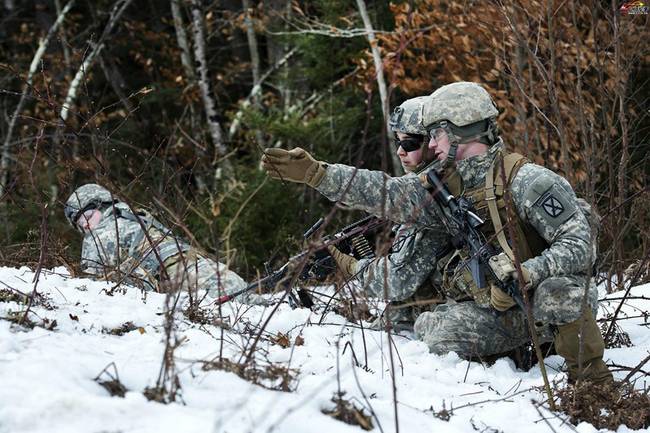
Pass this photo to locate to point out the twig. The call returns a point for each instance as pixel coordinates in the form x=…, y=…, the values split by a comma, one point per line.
x=510, y=214
x=636, y=369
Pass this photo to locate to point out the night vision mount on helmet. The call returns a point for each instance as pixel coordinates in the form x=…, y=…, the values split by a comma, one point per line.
x=407, y=117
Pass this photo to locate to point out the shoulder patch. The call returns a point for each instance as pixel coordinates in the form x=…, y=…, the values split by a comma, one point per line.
x=552, y=206
x=555, y=206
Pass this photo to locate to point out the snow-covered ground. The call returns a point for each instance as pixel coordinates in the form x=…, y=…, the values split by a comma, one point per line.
x=47, y=376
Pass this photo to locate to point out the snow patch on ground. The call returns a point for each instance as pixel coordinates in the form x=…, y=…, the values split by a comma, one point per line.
x=47, y=376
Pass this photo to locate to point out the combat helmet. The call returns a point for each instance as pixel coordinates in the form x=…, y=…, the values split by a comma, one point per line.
x=407, y=117
x=465, y=111
x=86, y=197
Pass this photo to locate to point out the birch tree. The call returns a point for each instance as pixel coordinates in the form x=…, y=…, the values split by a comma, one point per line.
x=381, y=80
x=181, y=38
x=255, y=62
x=209, y=104
x=36, y=60
x=117, y=11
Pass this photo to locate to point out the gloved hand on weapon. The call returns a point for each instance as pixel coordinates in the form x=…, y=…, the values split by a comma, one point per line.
x=295, y=165
x=505, y=270
x=347, y=264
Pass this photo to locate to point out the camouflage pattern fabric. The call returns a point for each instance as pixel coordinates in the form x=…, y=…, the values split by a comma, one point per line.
x=407, y=117
x=474, y=331
x=119, y=244
x=409, y=265
x=408, y=273
x=86, y=196
x=541, y=198
x=470, y=330
x=461, y=103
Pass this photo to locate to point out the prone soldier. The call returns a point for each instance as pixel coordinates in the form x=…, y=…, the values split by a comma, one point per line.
x=140, y=249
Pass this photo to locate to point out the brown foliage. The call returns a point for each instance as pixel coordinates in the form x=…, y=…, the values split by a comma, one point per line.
x=271, y=376
x=529, y=63
x=346, y=411
x=605, y=406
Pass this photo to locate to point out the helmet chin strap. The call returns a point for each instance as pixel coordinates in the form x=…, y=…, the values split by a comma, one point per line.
x=454, y=141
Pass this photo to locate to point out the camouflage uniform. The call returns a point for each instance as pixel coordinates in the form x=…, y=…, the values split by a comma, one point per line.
x=470, y=327
x=553, y=236
x=406, y=275
x=134, y=245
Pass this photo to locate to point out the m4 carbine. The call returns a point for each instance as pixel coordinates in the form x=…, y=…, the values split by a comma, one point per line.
x=315, y=263
x=467, y=225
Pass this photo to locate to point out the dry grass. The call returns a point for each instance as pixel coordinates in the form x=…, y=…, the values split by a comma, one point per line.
x=605, y=406
x=271, y=376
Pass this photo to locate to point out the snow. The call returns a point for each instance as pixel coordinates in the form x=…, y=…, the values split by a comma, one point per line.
x=47, y=376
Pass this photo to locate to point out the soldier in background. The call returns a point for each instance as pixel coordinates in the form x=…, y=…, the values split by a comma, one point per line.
x=406, y=275
x=123, y=244
x=554, y=237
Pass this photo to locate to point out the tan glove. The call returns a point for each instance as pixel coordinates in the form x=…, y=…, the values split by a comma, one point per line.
x=347, y=264
x=295, y=165
x=505, y=271
x=499, y=299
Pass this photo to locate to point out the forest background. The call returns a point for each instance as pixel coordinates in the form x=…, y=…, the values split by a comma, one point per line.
x=170, y=103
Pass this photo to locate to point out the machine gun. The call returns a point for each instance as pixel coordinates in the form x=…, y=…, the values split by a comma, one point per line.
x=315, y=263
x=467, y=225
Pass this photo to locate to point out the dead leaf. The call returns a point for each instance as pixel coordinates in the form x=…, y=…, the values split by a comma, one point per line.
x=282, y=340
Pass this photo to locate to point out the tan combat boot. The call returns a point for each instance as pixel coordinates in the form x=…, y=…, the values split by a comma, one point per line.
x=567, y=345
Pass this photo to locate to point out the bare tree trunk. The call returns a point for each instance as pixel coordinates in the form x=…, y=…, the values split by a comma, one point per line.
x=64, y=41
x=116, y=80
x=255, y=62
x=209, y=104
x=181, y=38
x=381, y=81
x=116, y=13
x=6, y=152
x=255, y=91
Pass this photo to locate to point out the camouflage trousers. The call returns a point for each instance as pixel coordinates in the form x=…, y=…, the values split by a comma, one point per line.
x=474, y=331
x=201, y=274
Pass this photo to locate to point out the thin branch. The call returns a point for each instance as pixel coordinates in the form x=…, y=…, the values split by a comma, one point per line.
x=116, y=13
x=6, y=155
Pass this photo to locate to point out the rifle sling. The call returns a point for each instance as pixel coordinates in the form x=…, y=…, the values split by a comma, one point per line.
x=511, y=162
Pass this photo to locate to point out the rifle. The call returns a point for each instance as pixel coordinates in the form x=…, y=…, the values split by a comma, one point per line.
x=468, y=234
x=318, y=263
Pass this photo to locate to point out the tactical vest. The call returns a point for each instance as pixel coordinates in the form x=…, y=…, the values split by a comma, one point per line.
x=489, y=204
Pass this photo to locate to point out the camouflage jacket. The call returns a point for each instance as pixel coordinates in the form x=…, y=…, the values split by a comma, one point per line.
x=120, y=244
x=410, y=264
x=542, y=198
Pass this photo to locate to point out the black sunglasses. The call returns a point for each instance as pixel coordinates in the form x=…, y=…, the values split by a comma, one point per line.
x=410, y=143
